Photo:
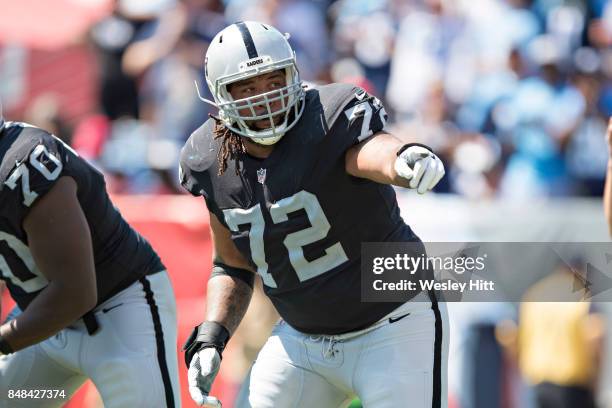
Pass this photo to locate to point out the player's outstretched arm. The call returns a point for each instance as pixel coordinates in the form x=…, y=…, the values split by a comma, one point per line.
x=60, y=242
x=608, y=186
x=228, y=296
x=385, y=159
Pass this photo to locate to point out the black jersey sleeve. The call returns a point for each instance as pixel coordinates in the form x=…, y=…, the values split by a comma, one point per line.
x=198, y=165
x=363, y=116
x=187, y=179
x=352, y=116
x=30, y=169
x=197, y=157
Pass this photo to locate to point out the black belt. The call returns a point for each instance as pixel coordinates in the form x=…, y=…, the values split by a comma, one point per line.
x=89, y=318
x=91, y=323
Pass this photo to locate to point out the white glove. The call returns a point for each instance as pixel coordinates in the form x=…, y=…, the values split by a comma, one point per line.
x=203, y=369
x=421, y=166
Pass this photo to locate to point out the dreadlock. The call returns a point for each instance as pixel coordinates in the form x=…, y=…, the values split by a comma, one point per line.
x=232, y=145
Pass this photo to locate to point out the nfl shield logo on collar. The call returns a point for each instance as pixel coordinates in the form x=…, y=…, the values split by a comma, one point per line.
x=261, y=176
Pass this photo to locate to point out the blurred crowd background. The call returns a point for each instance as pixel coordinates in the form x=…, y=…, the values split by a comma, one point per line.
x=514, y=95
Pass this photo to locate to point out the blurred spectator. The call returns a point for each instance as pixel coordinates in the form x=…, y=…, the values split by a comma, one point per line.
x=168, y=93
x=607, y=196
x=558, y=344
x=422, y=50
x=365, y=31
x=476, y=366
x=513, y=94
x=44, y=112
x=303, y=19
x=130, y=40
x=586, y=152
x=539, y=117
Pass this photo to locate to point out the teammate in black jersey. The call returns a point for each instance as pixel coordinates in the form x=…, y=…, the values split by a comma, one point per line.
x=295, y=180
x=94, y=300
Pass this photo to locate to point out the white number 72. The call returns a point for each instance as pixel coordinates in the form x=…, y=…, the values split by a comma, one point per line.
x=295, y=241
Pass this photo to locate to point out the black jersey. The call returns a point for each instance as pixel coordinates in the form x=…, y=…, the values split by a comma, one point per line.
x=31, y=161
x=298, y=216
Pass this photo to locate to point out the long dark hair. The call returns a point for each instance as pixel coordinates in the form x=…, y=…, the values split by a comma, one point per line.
x=232, y=145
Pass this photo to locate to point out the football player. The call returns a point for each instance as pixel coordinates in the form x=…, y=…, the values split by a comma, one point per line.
x=295, y=180
x=95, y=300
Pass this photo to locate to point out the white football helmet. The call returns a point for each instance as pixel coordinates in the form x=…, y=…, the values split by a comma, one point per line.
x=244, y=50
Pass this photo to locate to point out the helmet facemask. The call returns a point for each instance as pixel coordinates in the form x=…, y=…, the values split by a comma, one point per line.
x=243, y=51
x=290, y=96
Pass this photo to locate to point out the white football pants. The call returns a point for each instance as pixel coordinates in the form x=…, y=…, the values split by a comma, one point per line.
x=132, y=359
x=397, y=362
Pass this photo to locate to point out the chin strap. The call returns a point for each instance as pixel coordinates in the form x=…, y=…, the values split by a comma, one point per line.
x=216, y=118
